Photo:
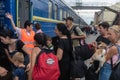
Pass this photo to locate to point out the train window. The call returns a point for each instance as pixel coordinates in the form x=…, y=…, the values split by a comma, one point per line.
x=61, y=12
x=50, y=9
x=68, y=14
x=65, y=14
x=55, y=11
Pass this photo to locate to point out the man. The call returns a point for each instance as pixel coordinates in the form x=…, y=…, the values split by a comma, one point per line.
x=76, y=33
x=103, y=29
x=26, y=34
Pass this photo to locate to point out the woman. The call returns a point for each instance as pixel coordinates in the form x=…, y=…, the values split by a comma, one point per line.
x=112, y=52
x=64, y=51
x=40, y=41
x=14, y=45
x=44, y=64
x=5, y=68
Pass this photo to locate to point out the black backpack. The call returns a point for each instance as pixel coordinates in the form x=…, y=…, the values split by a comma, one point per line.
x=84, y=51
x=90, y=74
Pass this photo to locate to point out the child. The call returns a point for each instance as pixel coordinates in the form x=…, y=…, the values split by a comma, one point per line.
x=38, y=28
x=49, y=43
x=19, y=72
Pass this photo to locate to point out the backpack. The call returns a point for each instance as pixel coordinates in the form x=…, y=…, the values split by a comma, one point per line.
x=78, y=68
x=84, y=51
x=46, y=67
x=91, y=74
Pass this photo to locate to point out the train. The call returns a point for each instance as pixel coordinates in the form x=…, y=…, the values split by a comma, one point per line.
x=46, y=12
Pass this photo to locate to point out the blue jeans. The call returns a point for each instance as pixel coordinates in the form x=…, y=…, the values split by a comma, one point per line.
x=105, y=72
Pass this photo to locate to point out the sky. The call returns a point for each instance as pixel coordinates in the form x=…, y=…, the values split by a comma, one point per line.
x=108, y=1
x=88, y=15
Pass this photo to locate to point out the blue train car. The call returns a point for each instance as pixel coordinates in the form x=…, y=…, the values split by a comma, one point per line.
x=46, y=12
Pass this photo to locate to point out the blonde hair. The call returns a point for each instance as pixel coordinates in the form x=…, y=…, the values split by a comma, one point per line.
x=18, y=56
x=116, y=29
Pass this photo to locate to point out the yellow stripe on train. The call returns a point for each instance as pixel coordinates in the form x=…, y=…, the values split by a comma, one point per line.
x=36, y=18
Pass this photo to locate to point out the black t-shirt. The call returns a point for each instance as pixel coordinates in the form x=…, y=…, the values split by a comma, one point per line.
x=55, y=42
x=64, y=63
x=103, y=39
x=4, y=61
x=65, y=46
x=18, y=48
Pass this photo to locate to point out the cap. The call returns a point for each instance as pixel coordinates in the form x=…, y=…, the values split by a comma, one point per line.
x=69, y=18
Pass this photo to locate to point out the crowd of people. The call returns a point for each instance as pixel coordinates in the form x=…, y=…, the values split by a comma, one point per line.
x=18, y=56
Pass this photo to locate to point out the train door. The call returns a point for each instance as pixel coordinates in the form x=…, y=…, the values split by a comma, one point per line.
x=23, y=11
x=3, y=9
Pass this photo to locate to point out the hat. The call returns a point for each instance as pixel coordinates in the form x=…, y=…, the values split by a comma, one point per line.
x=69, y=18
